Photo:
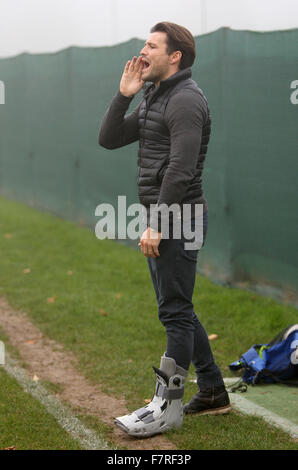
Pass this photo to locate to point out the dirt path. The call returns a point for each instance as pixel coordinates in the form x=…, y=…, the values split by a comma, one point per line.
x=46, y=359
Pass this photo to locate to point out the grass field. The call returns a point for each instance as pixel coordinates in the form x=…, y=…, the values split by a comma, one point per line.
x=25, y=424
x=96, y=298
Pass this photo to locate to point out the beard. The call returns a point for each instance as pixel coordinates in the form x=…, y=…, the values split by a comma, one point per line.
x=154, y=74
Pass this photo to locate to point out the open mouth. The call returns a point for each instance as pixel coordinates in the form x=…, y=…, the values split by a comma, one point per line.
x=145, y=63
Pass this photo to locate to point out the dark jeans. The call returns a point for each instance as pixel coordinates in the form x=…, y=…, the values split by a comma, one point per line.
x=173, y=275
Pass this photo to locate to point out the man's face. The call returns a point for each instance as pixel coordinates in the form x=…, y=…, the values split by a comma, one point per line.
x=155, y=58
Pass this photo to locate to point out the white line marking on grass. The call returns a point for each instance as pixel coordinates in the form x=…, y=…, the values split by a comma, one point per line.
x=245, y=406
x=88, y=439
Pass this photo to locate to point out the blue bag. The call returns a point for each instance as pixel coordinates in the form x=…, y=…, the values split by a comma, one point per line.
x=276, y=361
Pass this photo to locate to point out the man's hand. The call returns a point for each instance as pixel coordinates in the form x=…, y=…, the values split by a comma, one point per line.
x=131, y=82
x=149, y=243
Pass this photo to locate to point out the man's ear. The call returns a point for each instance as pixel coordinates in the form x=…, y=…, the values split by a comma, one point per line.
x=175, y=57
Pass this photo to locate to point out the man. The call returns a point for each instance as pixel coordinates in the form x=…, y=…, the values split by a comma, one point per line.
x=172, y=125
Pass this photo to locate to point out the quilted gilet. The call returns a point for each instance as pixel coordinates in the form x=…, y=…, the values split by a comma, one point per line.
x=155, y=143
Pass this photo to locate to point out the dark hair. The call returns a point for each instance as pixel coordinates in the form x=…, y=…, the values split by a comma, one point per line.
x=178, y=39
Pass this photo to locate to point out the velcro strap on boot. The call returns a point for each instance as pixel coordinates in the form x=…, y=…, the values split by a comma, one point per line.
x=170, y=394
x=142, y=412
x=145, y=415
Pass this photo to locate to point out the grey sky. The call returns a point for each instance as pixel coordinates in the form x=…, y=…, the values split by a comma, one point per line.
x=50, y=25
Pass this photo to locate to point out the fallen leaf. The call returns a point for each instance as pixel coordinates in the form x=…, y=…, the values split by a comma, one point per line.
x=103, y=312
x=147, y=400
x=213, y=336
x=70, y=273
x=10, y=448
x=118, y=296
x=50, y=300
x=30, y=341
x=8, y=235
x=35, y=379
x=27, y=270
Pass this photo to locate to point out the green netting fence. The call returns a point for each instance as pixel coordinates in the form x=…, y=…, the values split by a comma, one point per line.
x=50, y=158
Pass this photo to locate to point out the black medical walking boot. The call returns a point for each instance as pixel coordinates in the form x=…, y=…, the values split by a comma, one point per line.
x=211, y=401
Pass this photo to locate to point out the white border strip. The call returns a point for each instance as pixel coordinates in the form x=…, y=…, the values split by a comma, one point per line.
x=243, y=405
x=88, y=439
x=248, y=407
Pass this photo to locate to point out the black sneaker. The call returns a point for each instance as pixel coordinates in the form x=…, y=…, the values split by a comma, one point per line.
x=214, y=401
